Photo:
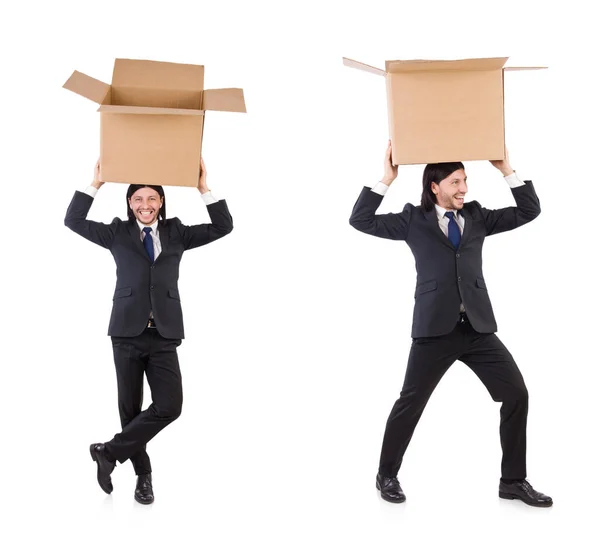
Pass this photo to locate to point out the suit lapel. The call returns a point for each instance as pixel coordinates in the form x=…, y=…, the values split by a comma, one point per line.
x=134, y=232
x=163, y=235
x=432, y=220
x=467, y=226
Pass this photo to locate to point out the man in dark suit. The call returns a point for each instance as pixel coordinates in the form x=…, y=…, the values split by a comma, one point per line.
x=146, y=324
x=453, y=317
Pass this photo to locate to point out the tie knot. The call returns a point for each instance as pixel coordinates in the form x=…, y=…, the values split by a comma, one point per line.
x=449, y=215
x=147, y=230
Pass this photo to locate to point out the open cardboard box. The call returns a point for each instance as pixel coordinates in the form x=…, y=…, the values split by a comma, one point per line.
x=444, y=110
x=152, y=118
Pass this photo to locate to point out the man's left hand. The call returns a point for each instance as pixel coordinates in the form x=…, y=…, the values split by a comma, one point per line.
x=202, y=186
x=503, y=165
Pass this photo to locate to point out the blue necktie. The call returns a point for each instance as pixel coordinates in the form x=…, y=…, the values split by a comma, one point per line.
x=453, y=230
x=148, y=244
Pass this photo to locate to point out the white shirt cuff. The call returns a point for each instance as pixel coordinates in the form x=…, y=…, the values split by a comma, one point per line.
x=380, y=188
x=513, y=181
x=209, y=198
x=91, y=191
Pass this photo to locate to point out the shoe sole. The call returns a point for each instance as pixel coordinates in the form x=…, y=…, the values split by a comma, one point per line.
x=95, y=458
x=145, y=502
x=391, y=500
x=507, y=496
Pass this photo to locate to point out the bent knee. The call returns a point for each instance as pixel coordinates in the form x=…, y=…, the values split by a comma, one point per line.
x=169, y=412
x=516, y=395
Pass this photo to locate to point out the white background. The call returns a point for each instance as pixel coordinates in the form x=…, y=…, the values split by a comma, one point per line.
x=298, y=326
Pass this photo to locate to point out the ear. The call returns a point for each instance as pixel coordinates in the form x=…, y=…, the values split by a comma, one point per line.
x=435, y=187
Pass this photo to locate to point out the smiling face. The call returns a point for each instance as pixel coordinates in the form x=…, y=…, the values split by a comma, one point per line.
x=450, y=192
x=145, y=203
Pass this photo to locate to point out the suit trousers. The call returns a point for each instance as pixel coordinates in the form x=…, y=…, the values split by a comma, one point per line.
x=156, y=357
x=429, y=359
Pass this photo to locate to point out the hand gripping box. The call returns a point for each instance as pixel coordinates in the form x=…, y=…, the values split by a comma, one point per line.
x=444, y=110
x=152, y=118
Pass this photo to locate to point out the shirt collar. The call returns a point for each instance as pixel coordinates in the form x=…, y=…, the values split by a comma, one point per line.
x=153, y=226
x=441, y=212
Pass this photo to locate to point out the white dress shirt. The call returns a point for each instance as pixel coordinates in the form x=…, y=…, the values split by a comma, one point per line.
x=154, y=235
x=443, y=221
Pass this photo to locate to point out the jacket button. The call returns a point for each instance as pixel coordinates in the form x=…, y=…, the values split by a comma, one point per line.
x=458, y=256
x=152, y=286
x=458, y=279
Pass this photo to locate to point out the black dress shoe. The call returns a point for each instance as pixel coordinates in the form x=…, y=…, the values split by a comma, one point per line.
x=143, y=489
x=105, y=466
x=390, y=489
x=522, y=490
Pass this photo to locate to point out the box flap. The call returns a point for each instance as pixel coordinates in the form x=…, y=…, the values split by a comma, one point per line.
x=88, y=87
x=224, y=100
x=524, y=68
x=148, y=110
x=161, y=75
x=473, y=64
x=363, y=67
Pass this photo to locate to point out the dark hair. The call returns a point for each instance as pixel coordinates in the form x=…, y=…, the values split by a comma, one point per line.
x=434, y=173
x=162, y=213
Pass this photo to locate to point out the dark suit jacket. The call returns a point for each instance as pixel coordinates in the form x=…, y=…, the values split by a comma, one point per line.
x=143, y=286
x=445, y=277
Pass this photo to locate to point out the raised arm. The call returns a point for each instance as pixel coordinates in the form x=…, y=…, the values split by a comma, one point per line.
x=221, y=221
x=388, y=226
x=526, y=210
x=76, y=218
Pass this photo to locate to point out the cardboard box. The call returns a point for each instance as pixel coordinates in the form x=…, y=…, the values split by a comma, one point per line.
x=152, y=118
x=444, y=110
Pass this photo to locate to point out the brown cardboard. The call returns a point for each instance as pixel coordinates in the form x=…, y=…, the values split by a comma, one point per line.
x=152, y=120
x=444, y=110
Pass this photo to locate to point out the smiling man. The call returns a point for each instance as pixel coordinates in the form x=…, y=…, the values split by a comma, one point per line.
x=146, y=324
x=453, y=318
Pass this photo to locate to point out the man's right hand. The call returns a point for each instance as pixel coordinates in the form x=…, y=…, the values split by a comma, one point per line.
x=390, y=171
x=97, y=183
